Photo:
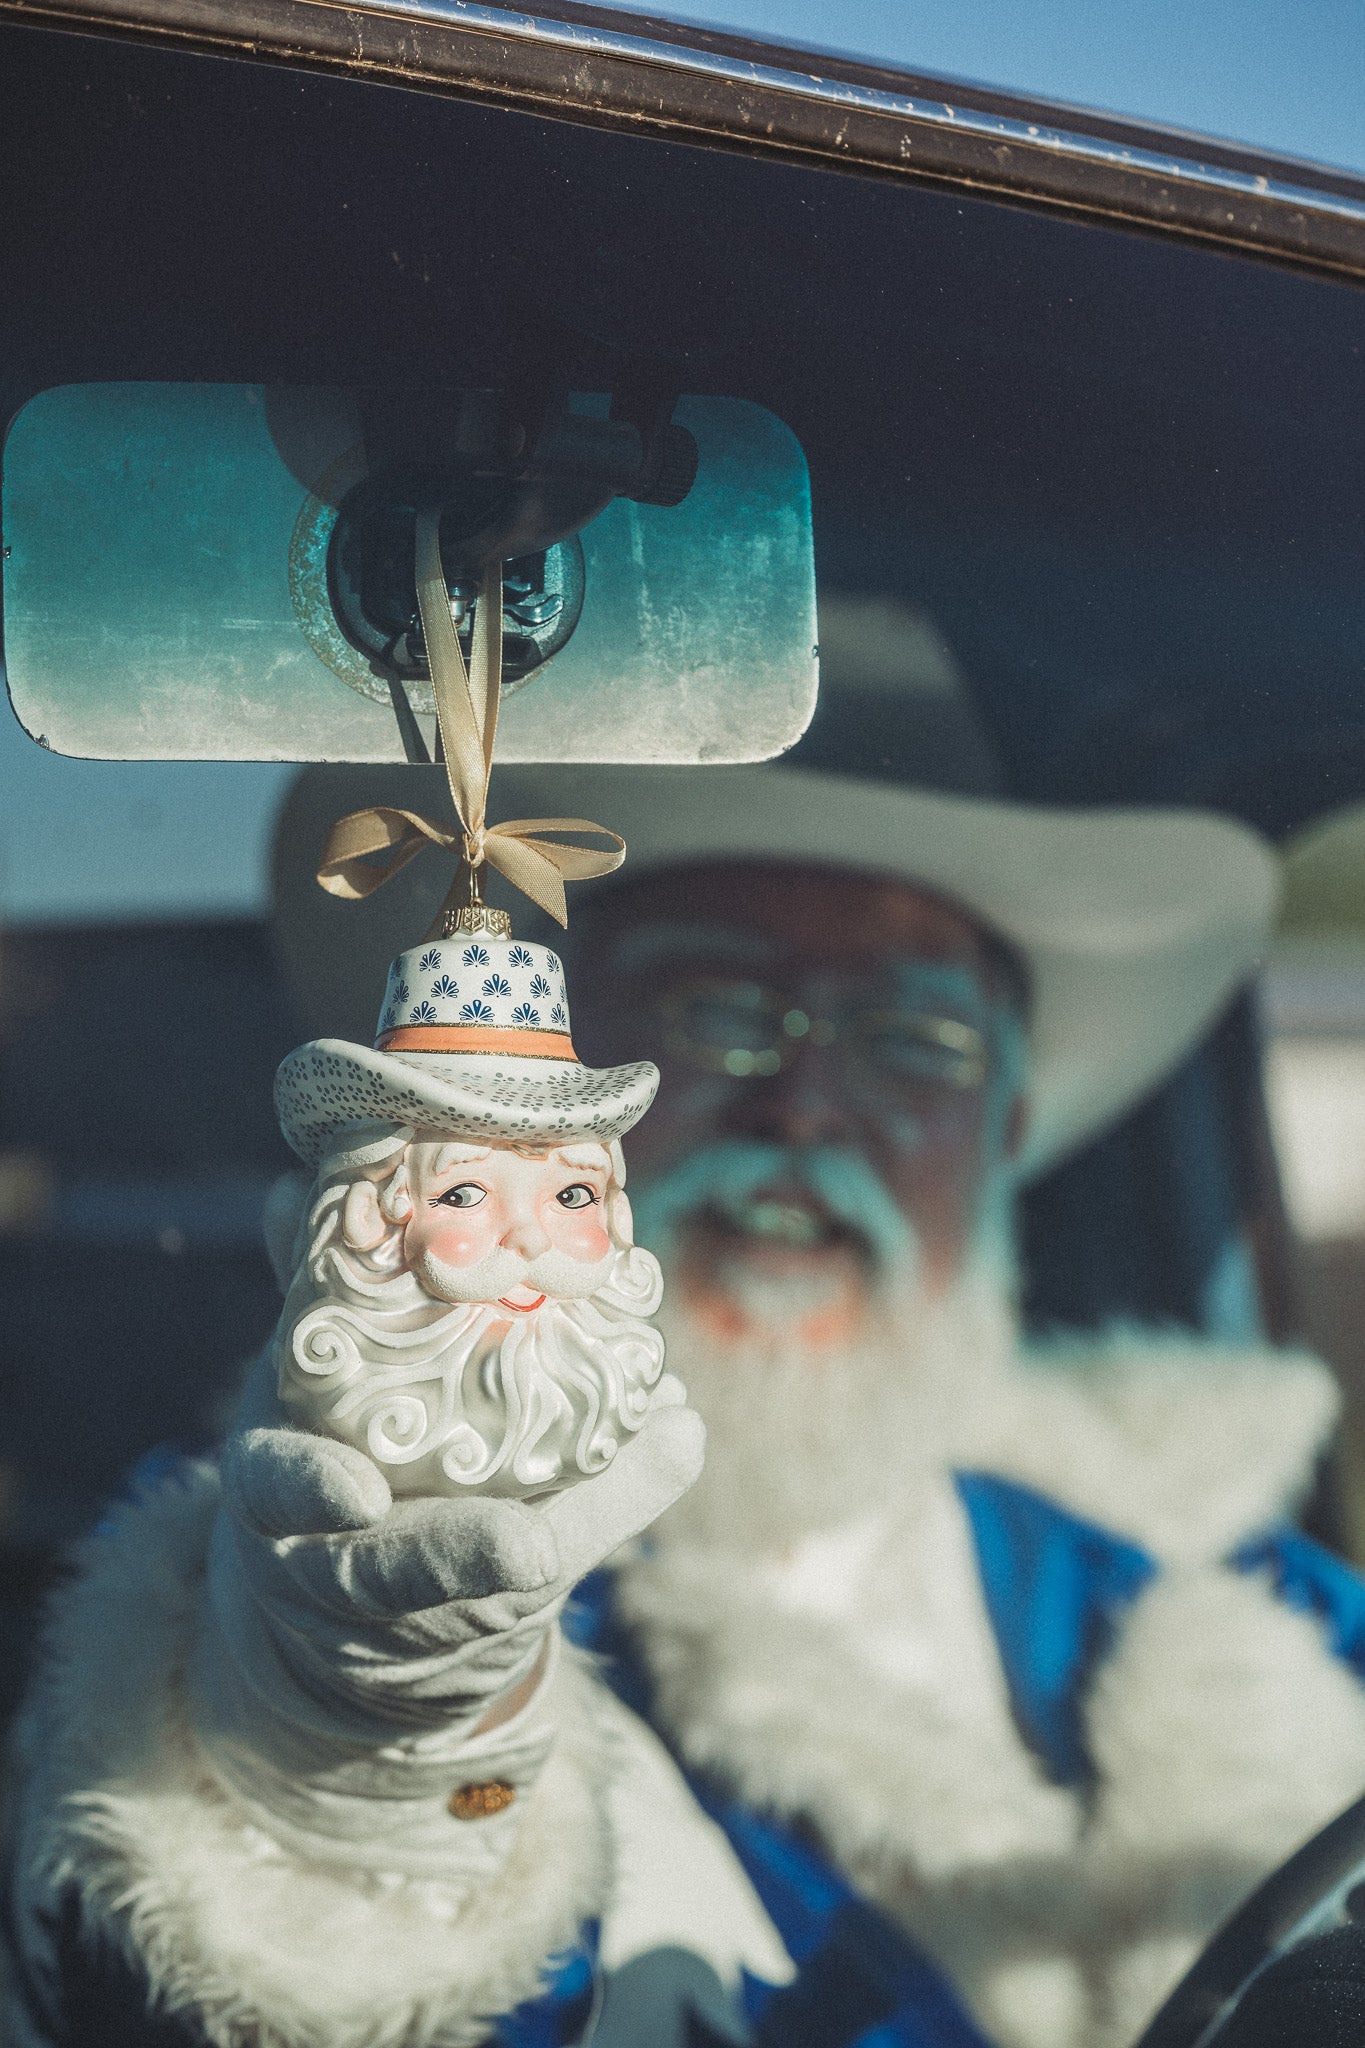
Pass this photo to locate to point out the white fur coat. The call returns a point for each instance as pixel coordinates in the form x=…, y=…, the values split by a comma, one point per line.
x=1223, y=1732
x=1222, y=1729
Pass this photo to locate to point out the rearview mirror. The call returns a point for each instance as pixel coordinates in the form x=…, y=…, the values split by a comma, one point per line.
x=217, y=571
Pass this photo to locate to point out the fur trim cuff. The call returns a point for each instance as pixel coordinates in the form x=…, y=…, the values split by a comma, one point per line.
x=253, y=1942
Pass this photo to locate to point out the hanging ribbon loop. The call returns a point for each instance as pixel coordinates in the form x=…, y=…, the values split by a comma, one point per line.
x=467, y=713
x=347, y=869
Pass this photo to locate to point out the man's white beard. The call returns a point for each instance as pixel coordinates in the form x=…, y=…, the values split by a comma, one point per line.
x=447, y=1399
x=801, y=1437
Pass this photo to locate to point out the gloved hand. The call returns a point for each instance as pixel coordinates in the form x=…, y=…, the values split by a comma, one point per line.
x=370, y=1671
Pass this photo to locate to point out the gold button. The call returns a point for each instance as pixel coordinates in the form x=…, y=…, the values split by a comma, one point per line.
x=476, y=1802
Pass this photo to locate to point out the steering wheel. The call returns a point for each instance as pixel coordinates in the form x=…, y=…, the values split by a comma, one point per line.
x=1319, y=1889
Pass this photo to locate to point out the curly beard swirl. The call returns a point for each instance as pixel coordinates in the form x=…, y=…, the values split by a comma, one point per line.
x=447, y=1398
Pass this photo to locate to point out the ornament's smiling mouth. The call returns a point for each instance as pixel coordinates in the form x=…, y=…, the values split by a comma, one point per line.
x=521, y=1300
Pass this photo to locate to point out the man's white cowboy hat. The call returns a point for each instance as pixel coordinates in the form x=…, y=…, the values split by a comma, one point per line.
x=474, y=1042
x=1135, y=925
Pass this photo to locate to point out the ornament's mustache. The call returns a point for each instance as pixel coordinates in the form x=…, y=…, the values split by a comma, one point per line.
x=555, y=1273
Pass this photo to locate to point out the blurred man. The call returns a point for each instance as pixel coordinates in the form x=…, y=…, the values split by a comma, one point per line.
x=979, y=1667
x=887, y=1612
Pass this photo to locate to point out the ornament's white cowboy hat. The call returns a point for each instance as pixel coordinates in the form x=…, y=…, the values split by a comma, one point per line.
x=473, y=1042
x=1135, y=926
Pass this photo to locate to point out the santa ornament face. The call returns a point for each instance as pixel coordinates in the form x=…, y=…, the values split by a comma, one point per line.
x=468, y=1306
x=495, y=1224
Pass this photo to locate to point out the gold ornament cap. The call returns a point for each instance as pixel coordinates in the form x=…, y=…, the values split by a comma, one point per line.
x=474, y=919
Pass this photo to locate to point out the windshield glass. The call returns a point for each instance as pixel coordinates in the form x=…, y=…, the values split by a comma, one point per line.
x=933, y=1047
x=1111, y=482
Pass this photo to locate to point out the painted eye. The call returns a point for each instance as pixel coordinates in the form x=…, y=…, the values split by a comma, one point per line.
x=579, y=1196
x=467, y=1195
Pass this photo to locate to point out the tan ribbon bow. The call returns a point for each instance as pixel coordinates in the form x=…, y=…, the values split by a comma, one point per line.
x=467, y=713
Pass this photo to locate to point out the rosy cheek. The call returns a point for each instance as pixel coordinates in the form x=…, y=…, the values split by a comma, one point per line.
x=457, y=1237
x=580, y=1232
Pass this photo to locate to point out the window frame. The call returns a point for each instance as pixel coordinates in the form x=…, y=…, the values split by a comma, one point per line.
x=685, y=84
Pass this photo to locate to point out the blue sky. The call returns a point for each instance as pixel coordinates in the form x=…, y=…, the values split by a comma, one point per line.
x=81, y=840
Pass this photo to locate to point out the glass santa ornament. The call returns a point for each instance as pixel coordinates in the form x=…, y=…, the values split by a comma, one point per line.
x=468, y=1306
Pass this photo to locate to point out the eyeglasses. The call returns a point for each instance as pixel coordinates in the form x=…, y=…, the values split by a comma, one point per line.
x=747, y=1031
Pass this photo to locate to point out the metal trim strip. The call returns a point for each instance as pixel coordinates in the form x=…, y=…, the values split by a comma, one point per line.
x=733, y=95
x=945, y=113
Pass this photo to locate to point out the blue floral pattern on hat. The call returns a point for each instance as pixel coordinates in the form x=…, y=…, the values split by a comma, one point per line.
x=519, y=988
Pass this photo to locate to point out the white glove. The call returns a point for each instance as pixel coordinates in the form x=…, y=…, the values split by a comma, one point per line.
x=354, y=1649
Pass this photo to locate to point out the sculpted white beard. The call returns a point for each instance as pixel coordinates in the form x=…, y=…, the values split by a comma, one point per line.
x=800, y=1439
x=448, y=1398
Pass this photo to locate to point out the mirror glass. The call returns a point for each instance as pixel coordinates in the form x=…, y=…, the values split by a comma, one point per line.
x=224, y=571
